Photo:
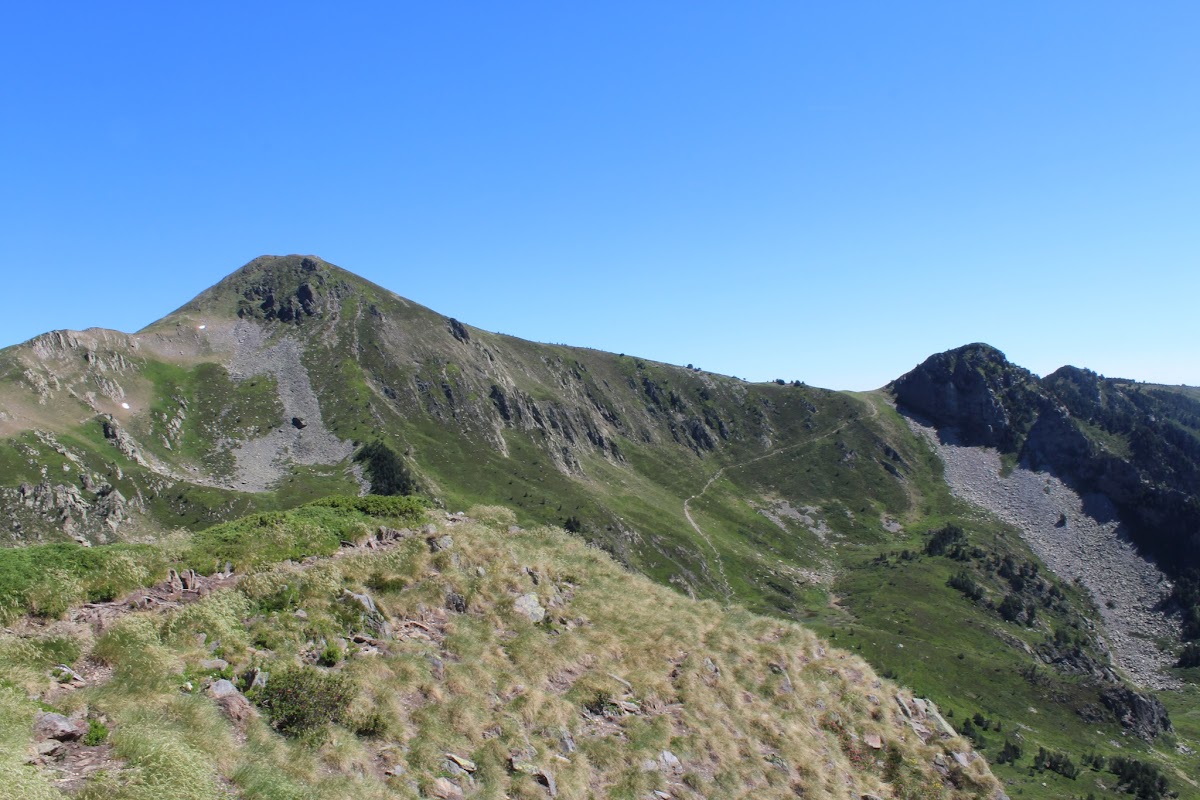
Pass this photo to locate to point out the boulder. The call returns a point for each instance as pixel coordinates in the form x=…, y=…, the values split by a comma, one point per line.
x=465, y=764
x=440, y=543
x=528, y=606
x=236, y=707
x=50, y=747
x=456, y=602
x=445, y=790
x=48, y=725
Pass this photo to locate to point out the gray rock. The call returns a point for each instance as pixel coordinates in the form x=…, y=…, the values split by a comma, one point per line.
x=465, y=764
x=49, y=747
x=1144, y=714
x=528, y=606
x=456, y=602
x=445, y=790
x=440, y=543
x=216, y=664
x=222, y=688
x=363, y=600
x=48, y=725
x=566, y=741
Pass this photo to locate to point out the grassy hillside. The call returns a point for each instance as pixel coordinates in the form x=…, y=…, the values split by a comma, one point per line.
x=453, y=682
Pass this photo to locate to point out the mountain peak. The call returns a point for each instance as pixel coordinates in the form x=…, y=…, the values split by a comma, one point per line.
x=287, y=288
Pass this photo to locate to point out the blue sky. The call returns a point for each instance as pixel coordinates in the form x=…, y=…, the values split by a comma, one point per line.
x=827, y=192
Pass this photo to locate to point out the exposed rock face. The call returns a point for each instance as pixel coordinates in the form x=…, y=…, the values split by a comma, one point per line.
x=974, y=389
x=1092, y=547
x=90, y=512
x=1101, y=436
x=1145, y=715
x=274, y=299
x=122, y=440
x=459, y=331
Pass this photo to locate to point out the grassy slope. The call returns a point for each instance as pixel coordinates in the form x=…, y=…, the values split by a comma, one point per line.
x=694, y=679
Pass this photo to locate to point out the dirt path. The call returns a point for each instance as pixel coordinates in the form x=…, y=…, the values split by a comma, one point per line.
x=727, y=590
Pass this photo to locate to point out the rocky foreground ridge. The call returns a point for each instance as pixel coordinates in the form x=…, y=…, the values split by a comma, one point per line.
x=461, y=658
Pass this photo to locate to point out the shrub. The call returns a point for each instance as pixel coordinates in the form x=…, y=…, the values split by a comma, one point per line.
x=963, y=581
x=97, y=733
x=1010, y=753
x=1190, y=657
x=330, y=656
x=945, y=539
x=1011, y=608
x=407, y=507
x=1137, y=777
x=1055, y=762
x=301, y=700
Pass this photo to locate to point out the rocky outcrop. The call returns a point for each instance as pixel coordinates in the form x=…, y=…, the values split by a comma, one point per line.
x=1143, y=714
x=122, y=440
x=90, y=512
x=287, y=289
x=973, y=389
x=1138, y=447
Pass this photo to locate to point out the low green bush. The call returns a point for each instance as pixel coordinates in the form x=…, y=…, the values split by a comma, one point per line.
x=402, y=507
x=302, y=700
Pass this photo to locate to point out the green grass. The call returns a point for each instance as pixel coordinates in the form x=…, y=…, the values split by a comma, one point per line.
x=48, y=579
x=214, y=408
x=504, y=684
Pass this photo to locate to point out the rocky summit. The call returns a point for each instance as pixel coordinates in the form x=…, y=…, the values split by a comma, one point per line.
x=303, y=537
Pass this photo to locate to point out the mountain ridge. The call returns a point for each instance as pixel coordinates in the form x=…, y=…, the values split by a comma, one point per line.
x=791, y=500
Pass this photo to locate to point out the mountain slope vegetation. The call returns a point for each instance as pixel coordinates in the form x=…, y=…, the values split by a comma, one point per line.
x=787, y=500
x=470, y=656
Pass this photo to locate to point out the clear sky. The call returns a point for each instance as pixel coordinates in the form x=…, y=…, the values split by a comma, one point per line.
x=823, y=191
